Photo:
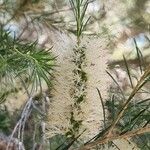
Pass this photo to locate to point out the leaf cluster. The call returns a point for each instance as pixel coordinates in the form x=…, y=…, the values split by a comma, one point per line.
x=79, y=9
x=24, y=62
x=137, y=115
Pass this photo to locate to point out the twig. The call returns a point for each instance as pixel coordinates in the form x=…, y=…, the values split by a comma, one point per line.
x=12, y=135
x=21, y=123
x=115, y=137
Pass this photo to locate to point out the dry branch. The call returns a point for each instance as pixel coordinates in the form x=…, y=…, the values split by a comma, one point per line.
x=115, y=137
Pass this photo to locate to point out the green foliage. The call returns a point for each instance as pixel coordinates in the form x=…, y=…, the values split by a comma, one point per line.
x=79, y=9
x=25, y=64
x=58, y=142
x=136, y=110
x=5, y=120
x=20, y=60
x=62, y=142
x=137, y=115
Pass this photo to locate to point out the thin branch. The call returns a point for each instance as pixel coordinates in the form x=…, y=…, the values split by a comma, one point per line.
x=115, y=137
x=103, y=106
x=116, y=84
x=20, y=124
x=128, y=71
